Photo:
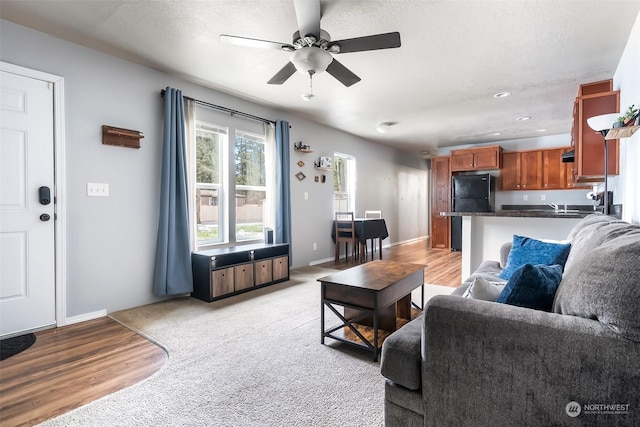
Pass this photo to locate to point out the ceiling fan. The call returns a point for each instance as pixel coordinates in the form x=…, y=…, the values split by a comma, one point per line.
x=312, y=48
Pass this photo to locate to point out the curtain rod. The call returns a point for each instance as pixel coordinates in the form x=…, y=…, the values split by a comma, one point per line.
x=225, y=109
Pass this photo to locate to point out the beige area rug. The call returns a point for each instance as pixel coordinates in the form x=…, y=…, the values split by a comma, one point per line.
x=250, y=360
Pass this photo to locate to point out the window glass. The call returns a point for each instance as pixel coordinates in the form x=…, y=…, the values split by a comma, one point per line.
x=209, y=213
x=343, y=182
x=251, y=191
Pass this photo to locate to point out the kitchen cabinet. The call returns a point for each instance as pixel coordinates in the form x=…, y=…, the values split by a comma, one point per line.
x=593, y=99
x=220, y=273
x=537, y=170
x=440, y=202
x=554, y=172
x=522, y=170
x=481, y=158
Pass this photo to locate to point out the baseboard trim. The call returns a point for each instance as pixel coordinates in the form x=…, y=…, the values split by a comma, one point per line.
x=84, y=317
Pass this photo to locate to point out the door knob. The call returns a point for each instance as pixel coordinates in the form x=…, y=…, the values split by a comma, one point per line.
x=45, y=217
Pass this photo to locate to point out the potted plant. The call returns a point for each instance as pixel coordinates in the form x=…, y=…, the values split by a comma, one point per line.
x=627, y=118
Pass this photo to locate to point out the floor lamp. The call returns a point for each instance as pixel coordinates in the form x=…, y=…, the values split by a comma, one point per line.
x=604, y=125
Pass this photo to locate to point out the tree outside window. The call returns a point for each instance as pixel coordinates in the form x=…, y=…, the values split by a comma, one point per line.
x=251, y=190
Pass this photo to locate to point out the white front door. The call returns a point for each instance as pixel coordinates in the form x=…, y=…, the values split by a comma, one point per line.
x=27, y=231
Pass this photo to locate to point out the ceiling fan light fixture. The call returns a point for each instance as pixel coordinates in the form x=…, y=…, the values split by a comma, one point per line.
x=311, y=59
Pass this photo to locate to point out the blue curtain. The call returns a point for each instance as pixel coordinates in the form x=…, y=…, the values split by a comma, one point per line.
x=283, y=185
x=173, y=253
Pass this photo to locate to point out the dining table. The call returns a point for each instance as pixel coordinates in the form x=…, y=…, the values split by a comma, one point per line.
x=367, y=229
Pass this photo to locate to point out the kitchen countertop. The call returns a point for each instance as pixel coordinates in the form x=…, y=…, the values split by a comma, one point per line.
x=533, y=211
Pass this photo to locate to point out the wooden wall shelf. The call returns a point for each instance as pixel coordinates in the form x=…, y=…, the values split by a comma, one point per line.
x=121, y=137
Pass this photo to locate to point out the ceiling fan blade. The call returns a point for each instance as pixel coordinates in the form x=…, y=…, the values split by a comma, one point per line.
x=282, y=75
x=342, y=73
x=264, y=44
x=378, y=41
x=308, y=16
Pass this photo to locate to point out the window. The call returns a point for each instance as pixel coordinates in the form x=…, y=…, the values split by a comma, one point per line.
x=225, y=172
x=210, y=141
x=251, y=190
x=344, y=173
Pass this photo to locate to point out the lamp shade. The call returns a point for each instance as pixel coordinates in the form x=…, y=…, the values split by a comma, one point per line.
x=602, y=122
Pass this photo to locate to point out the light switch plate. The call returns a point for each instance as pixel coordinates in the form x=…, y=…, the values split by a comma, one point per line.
x=97, y=189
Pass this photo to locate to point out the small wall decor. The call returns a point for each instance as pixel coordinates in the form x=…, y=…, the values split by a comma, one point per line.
x=300, y=176
x=299, y=146
x=324, y=163
x=301, y=163
x=121, y=137
x=316, y=178
x=323, y=178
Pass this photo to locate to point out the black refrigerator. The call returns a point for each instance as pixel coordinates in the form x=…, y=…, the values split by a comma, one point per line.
x=469, y=193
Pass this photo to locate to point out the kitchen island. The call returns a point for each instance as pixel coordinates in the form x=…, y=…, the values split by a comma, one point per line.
x=483, y=233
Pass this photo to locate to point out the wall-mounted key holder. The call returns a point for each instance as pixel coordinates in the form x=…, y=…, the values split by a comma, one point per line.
x=121, y=137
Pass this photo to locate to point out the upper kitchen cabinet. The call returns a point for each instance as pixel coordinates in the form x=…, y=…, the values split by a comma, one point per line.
x=522, y=170
x=535, y=170
x=594, y=99
x=481, y=158
x=554, y=172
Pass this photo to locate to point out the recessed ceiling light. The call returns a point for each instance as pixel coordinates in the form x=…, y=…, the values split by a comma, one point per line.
x=495, y=134
x=384, y=127
x=502, y=94
x=542, y=130
x=523, y=118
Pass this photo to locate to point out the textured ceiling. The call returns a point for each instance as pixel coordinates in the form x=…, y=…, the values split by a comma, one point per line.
x=437, y=88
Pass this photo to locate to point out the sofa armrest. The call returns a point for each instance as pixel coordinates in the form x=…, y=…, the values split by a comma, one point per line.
x=497, y=364
x=400, y=359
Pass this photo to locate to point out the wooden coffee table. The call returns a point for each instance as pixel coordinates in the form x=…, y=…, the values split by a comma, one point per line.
x=372, y=294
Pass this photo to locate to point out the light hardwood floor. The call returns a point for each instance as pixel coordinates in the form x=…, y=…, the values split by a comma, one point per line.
x=73, y=365
x=444, y=267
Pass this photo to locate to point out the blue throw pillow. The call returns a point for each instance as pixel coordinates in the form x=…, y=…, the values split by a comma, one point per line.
x=532, y=286
x=525, y=250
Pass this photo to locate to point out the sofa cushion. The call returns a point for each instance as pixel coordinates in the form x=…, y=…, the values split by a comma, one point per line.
x=488, y=270
x=484, y=290
x=526, y=250
x=401, y=356
x=592, y=232
x=532, y=286
x=604, y=285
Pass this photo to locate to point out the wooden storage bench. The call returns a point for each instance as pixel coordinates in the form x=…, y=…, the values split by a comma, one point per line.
x=220, y=273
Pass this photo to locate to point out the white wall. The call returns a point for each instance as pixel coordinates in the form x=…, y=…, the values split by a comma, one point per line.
x=111, y=241
x=627, y=80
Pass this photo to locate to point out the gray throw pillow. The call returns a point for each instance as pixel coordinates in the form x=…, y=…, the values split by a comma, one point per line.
x=604, y=285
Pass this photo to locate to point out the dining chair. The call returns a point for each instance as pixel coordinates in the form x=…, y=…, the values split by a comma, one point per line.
x=345, y=231
x=373, y=215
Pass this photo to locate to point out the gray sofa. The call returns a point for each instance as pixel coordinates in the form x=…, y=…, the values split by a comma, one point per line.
x=468, y=362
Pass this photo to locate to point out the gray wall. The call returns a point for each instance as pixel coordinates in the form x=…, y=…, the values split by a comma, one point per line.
x=111, y=241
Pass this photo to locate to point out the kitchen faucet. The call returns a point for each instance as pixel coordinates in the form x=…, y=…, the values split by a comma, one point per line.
x=556, y=207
